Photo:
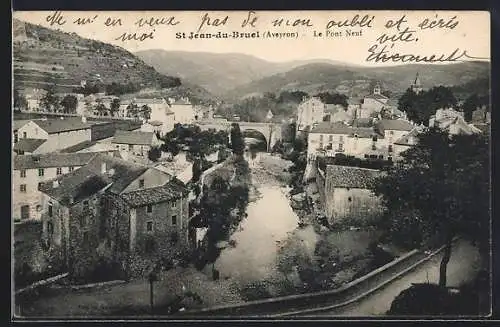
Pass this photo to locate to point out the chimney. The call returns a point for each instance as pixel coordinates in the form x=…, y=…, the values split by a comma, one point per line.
x=55, y=184
x=103, y=168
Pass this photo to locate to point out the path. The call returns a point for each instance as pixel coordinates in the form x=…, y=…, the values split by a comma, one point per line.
x=464, y=263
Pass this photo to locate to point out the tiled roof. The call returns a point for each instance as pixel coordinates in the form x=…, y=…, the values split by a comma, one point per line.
x=53, y=126
x=181, y=102
x=78, y=147
x=409, y=139
x=17, y=124
x=125, y=172
x=331, y=128
x=75, y=186
x=377, y=97
x=48, y=160
x=174, y=189
x=133, y=137
x=395, y=125
x=28, y=145
x=341, y=128
x=89, y=179
x=352, y=177
x=362, y=122
x=150, y=101
x=155, y=123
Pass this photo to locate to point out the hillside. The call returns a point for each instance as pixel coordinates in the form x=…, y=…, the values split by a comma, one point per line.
x=44, y=56
x=217, y=72
x=356, y=80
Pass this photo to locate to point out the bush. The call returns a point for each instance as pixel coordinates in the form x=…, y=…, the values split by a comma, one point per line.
x=154, y=154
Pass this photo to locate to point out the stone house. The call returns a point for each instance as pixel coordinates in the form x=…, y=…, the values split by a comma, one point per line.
x=347, y=194
x=152, y=126
x=372, y=104
x=392, y=131
x=184, y=111
x=16, y=124
x=136, y=143
x=362, y=139
x=329, y=139
x=453, y=122
x=44, y=136
x=310, y=112
x=114, y=210
x=29, y=171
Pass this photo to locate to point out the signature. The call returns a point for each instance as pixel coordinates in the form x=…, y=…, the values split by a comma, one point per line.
x=383, y=55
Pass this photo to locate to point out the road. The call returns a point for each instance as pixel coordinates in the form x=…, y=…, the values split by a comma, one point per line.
x=464, y=263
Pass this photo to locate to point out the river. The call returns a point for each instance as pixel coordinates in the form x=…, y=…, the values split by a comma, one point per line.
x=270, y=221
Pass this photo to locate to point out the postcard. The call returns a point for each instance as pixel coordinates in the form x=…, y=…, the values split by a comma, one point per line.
x=251, y=164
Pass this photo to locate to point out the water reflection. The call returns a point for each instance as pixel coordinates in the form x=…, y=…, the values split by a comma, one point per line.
x=270, y=222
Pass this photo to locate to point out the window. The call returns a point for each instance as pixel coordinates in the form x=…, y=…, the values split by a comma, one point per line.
x=174, y=220
x=85, y=237
x=381, y=156
x=389, y=158
x=50, y=228
x=173, y=204
x=374, y=147
x=374, y=138
x=366, y=156
x=349, y=199
x=141, y=183
x=149, y=208
x=86, y=203
x=50, y=210
x=130, y=147
x=321, y=137
x=25, y=212
x=390, y=148
x=22, y=187
x=149, y=226
x=41, y=172
x=391, y=132
x=341, y=138
x=59, y=171
x=16, y=137
x=38, y=208
x=23, y=173
x=40, y=184
x=71, y=169
x=330, y=138
x=25, y=135
x=341, y=147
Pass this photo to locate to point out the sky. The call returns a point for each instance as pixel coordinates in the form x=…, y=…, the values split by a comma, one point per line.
x=469, y=31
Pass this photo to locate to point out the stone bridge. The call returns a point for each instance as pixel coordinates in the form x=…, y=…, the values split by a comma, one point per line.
x=270, y=131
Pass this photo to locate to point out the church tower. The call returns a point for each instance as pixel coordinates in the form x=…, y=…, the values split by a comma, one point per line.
x=376, y=89
x=416, y=86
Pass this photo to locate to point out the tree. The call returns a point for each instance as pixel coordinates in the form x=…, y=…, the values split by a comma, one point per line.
x=446, y=180
x=19, y=100
x=333, y=98
x=146, y=112
x=419, y=107
x=237, y=142
x=69, y=103
x=101, y=109
x=50, y=101
x=197, y=170
x=154, y=154
x=114, y=107
x=133, y=110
